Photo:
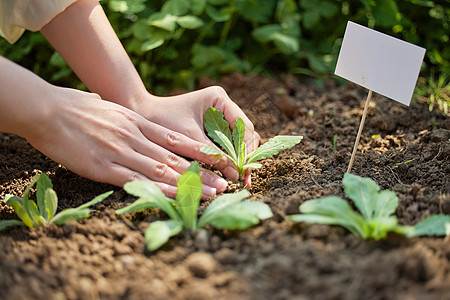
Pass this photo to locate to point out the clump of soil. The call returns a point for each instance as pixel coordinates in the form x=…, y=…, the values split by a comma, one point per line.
x=405, y=149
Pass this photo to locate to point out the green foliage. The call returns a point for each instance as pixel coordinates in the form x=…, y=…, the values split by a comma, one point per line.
x=226, y=211
x=376, y=208
x=44, y=212
x=436, y=92
x=219, y=130
x=174, y=42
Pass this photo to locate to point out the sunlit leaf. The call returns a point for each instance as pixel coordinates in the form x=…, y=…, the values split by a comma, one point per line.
x=159, y=232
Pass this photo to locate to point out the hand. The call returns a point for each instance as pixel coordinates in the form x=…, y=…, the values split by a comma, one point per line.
x=109, y=143
x=183, y=114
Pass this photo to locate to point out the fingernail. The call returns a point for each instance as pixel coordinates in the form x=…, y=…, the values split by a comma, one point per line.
x=232, y=173
x=209, y=191
x=221, y=184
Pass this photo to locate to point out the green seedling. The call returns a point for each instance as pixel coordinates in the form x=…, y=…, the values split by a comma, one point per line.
x=376, y=209
x=335, y=139
x=226, y=211
x=218, y=129
x=405, y=162
x=44, y=212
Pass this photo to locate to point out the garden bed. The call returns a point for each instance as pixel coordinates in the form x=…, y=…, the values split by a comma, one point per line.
x=405, y=149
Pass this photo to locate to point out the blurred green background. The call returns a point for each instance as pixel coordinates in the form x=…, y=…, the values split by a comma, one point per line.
x=172, y=43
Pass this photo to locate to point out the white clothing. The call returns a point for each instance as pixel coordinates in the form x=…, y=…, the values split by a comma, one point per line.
x=18, y=15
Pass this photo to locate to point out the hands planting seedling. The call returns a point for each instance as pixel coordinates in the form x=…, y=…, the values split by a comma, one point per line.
x=376, y=207
x=218, y=129
x=44, y=212
x=226, y=211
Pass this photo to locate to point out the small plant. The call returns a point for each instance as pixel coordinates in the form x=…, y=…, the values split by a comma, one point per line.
x=376, y=207
x=436, y=92
x=44, y=212
x=226, y=211
x=335, y=139
x=219, y=130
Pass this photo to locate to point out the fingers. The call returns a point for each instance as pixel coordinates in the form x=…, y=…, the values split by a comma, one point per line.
x=185, y=146
x=119, y=175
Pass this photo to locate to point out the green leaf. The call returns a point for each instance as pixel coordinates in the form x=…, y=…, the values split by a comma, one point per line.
x=273, y=146
x=331, y=210
x=29, y=209
x=21, y=213
x=198, y=6
x=34, y=214
x=363, y=192
x=210, y=150
x=50, y=204
x=9, y=198
x=287, y=44
x=190, y=22
x=8, y=223
x=386, y=203
x=238, y=140
x=159, y=232
x=266, y=33
x=258, y=11
x=219, y=130
x=241, y=215
x=176, y=7
x=219, y=204
x=385, y=13
x=252, y=165
x=228, y=145
x=163, y=21
x=218, y=16
x=432, y=225
x=70, y=214
x=137, y=205
x=152, y=44
x=43, y=183
x=188, y=195
x=148, y=190
x=96, y=200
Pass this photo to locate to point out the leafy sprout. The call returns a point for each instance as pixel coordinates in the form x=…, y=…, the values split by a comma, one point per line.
x=233, y=142
x=226, y=211
x=376, y=209
x=43, y=212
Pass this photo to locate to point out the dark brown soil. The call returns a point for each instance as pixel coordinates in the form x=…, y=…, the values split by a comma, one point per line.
x=405, y=149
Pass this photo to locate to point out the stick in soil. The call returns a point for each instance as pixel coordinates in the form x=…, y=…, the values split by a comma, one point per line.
x=361, y=125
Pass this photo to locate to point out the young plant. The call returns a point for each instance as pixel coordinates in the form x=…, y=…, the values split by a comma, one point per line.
x=44, y=212
x=376, y=208
x=226, y=211
x=233, y=142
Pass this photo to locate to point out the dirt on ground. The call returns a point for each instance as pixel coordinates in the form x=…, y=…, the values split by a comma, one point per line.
x=404, y=149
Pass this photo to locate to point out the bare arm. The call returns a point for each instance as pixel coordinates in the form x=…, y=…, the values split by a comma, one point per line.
x=83, y=36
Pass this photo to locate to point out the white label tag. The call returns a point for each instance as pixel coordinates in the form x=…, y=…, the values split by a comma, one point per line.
x=379, y=62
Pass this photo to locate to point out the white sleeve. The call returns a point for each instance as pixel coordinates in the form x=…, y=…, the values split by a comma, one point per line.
x=18, y=15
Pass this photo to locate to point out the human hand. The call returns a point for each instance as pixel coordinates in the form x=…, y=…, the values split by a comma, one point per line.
x=183, y=114
x=109, y=143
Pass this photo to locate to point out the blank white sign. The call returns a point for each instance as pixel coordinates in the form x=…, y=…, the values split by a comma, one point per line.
x=379, y=62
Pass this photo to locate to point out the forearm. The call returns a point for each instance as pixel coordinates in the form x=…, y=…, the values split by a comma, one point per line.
x=24, y=100
x=83, y=36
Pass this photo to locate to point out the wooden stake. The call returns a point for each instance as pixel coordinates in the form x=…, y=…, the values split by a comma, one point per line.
x=361, y=125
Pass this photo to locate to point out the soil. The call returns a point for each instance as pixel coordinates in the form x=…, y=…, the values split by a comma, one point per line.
x=405, y=149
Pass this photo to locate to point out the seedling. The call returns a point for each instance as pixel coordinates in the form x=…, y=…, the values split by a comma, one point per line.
x=226, y=211
x=44, y=212
x=376, y=207
x=335, y=139
x=218, y=129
